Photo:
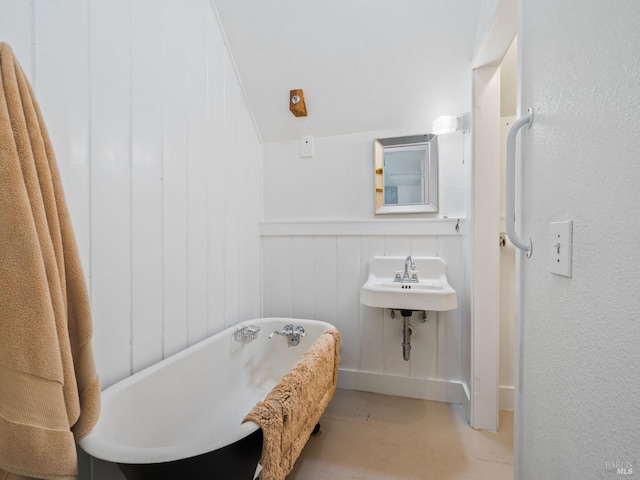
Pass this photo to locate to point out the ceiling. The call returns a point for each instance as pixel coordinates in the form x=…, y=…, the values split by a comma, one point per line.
x=364, y=65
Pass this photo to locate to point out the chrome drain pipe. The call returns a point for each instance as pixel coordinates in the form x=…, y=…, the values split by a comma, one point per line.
x=407, y=330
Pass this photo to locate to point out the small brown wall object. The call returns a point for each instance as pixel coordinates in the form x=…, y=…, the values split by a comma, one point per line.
x=296, y=103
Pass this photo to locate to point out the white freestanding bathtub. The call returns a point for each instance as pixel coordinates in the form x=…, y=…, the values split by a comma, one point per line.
x=187, y=410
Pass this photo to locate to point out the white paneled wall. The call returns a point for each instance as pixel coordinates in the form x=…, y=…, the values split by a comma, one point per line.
x=320, y=231
x=318, y=274
x=161, y=166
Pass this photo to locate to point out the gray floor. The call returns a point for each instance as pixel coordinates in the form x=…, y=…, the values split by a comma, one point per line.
x=366, y=436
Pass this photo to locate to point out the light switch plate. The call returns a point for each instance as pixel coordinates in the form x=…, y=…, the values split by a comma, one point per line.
x=561, y=244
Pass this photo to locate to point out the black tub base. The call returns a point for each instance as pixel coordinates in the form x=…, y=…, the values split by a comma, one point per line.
x=237, y=461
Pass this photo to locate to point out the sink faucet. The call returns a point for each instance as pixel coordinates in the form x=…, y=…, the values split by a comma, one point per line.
x=406, y=278
x=408, y=261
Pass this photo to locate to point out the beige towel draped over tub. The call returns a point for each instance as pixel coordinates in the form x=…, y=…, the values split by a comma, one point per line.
x=292, y=409
x=49, y=390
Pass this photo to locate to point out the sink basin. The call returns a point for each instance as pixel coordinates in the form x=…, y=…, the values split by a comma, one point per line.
x=432, y=292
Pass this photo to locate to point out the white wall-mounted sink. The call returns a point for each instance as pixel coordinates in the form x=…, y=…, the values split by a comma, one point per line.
x=431, y=292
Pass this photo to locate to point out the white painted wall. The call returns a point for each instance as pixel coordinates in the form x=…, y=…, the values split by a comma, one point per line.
x=486, y=18
x=337, y=182
x=496, y=28
x=364, y=65
x=580, y=336
x=161, y=166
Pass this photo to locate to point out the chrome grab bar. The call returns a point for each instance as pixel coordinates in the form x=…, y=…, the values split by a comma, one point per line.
x=510, y=217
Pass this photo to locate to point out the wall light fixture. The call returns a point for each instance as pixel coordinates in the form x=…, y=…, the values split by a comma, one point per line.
x=296, y=103
x=450, y=123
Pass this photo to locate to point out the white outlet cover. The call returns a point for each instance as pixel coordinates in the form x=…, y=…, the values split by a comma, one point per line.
x=306, y=146
x=561, y=245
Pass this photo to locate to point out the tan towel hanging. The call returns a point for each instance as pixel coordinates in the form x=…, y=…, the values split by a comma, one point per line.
x=49, y=390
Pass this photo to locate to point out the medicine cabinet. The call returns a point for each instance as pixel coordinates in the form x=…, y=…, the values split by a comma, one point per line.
x=406, y=174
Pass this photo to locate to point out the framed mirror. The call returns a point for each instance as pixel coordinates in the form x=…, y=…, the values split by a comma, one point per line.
x=406, y=174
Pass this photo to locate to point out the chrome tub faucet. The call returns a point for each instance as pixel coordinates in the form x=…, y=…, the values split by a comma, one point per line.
x=293, y=336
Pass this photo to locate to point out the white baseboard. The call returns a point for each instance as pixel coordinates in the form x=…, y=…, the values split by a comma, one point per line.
x=423, y=388
x=505, y=395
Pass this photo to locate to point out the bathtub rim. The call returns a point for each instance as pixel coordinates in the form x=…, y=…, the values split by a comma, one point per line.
x=104, y=448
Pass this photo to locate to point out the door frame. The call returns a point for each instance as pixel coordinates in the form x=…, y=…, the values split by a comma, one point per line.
x=485, y=219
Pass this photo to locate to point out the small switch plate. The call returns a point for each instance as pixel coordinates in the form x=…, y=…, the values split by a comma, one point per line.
x=306, y=146
x=561, y=247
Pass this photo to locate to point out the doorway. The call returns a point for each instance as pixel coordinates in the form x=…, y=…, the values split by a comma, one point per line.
x=486, y=251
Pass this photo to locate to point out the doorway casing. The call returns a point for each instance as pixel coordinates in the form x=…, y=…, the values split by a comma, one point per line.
x=485, y=223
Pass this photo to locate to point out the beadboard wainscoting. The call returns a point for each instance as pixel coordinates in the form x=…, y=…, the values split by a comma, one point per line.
x=160, y=162
x=315, y=270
